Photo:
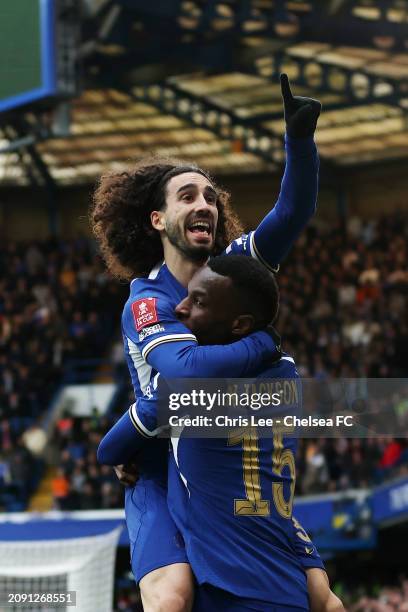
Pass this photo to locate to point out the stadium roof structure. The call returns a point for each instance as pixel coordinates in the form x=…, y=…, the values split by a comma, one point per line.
x=144, y=94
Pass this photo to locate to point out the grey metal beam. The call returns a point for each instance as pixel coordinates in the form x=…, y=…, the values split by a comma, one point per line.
x=359, y=85
x=199, y=112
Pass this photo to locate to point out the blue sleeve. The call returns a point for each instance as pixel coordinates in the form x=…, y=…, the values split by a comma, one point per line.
x=296, y=204
x=306, y=551
x=129, y=433
x=171, y=349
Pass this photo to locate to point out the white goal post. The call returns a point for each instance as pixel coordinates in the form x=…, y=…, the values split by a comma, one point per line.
x=83, y=565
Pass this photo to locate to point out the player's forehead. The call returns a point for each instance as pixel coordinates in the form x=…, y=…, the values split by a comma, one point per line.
x=209, y=282
x=193, y=179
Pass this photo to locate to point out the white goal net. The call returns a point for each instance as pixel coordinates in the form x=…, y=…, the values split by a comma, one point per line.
x=82, y=567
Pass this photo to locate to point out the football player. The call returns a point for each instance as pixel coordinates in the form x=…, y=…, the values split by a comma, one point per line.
x=232, y=498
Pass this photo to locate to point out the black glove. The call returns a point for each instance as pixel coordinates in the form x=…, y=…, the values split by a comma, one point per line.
x=301, y=114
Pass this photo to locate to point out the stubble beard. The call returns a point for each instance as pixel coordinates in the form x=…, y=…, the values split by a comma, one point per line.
x=197, y=254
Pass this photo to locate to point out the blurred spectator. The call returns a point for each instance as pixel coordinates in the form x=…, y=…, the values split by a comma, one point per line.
x=64, y=425
x=55, y=300
x=60, y=489
x=387, y=599
x=85, y=484
x=35, y=440
x=55, y=311
x=128, y=598
x=315, y=476
x=391, y=455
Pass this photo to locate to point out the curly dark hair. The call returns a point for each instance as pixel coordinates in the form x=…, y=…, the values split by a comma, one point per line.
x=256, y=288
x=120, y=215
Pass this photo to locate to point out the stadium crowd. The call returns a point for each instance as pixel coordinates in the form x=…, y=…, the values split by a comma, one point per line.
x=343, y=313
x=80, y=482
x=344, y=291
x=57, y=304
x=385, y=599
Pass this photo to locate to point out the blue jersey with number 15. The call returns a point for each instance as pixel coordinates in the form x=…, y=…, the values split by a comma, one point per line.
x=232, y=500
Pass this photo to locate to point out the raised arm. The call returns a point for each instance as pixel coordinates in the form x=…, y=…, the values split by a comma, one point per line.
x=296, y=203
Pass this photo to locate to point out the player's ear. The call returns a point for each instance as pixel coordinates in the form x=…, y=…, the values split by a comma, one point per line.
x=243, y=325
x=157, y=220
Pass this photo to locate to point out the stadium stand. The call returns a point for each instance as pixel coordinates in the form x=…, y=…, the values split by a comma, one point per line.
x=345, y=296
x=356, y=326
x=80, y=482
x=63, y=306
x=128, y=598
x=356, y=291
x=68, y=299
x=379, y=598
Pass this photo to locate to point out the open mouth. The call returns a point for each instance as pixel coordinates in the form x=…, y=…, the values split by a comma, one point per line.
x=200, y=229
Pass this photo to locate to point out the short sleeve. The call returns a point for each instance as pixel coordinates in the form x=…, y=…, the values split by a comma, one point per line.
x=306, y=551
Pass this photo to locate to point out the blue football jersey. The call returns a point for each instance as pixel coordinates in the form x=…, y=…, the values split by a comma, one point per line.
x=232, y=500
x=246, y=245
x=148, y=315
x=149, y=321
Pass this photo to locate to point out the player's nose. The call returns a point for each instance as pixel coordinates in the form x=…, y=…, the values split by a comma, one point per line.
x=202, y=204
x=182, y=309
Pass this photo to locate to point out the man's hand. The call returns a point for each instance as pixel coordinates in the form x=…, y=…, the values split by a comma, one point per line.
x=128, y=475
x=301, y=114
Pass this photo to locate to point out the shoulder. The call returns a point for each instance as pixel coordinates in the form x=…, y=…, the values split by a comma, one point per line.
x=245, y=245
x=284, y=368
x=287, y=366
x=241, y=245
x=147, y=305
x=146, y=294
x=153, y=285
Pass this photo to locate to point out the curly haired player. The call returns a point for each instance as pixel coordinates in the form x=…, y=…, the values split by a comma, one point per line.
x=172, y=211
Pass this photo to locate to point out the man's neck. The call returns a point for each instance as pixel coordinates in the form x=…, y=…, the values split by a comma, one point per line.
x=181, y=267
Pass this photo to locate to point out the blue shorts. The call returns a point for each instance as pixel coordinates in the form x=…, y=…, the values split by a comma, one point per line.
x=210, y=598
x=155, y=540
